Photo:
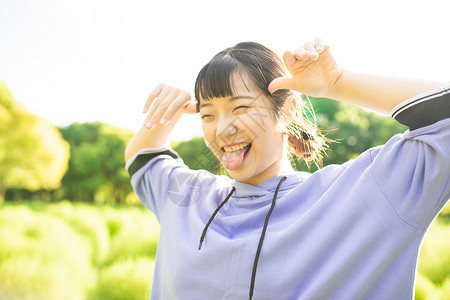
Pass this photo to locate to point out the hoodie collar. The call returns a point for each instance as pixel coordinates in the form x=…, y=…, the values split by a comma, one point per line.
x=268, y=186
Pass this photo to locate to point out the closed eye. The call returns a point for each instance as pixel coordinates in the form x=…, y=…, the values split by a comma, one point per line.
x=204, y=116
x=240, y=107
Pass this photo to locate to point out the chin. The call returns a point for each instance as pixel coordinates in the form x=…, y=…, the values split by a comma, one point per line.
x=242, y=176
x=239, y=174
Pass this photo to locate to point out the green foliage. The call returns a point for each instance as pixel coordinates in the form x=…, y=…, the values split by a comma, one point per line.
x=33, y=154
x=425, y=289
x=96, y=167
x=127, y=279
x=196, y=155
x=434, y=260
x=41, y=257
x=76, y=251
x=89, y=224
x=446, y=210
x=132, y=234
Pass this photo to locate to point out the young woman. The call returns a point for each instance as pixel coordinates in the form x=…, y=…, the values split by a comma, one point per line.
x=350, y=231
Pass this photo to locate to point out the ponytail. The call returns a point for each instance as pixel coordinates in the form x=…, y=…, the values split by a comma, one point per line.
x=303, y=138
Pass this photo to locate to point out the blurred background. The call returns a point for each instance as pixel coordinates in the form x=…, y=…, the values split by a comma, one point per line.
x=74, y=76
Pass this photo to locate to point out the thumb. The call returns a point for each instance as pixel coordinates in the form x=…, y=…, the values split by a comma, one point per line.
x=190, y=108
x=281, y=83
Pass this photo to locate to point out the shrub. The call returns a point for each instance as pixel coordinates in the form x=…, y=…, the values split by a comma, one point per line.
x=446, y=210
x=434, y=261
x=424, y=288
x=445, y=289
x=134, y=232
x=41, y=257
x=87, y=221
x=128, y=279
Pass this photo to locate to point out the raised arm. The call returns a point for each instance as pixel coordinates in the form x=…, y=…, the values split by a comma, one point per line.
x=316, y=73
x=165, y=107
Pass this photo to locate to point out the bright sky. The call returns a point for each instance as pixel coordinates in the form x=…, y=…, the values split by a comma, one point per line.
x=86, y=60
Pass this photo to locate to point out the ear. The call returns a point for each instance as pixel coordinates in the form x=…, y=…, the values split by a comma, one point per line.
x=288, y=109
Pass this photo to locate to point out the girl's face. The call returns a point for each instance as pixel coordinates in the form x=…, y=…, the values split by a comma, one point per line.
x=242, y=132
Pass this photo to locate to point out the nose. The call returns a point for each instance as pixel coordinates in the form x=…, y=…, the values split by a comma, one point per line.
x=226, y=129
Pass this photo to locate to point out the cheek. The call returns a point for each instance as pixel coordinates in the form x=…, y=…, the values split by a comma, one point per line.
x=269, y=143
x=209, y=134
x=258, y=126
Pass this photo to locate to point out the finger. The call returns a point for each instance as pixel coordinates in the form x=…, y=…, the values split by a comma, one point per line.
x=289, y=59
x=173, y=108
x=318, y=45
x=190, y=108
x=158, y=108
x=281, y=83
x=158, y=101
x=309, y=47
x=301, y=54
x=155, y=93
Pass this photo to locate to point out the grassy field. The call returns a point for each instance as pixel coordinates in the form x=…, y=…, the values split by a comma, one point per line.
x=80, y=251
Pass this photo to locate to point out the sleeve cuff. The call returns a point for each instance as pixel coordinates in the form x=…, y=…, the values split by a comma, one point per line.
x=141, y=158
x=424, y=109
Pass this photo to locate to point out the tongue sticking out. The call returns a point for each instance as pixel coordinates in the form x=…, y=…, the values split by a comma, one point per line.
x=233, y=160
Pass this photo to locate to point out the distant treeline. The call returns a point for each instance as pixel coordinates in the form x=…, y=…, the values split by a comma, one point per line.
x=84, y=161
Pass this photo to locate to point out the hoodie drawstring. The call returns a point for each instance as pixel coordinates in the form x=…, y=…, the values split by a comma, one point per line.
x=261, y=239
x=212, y=217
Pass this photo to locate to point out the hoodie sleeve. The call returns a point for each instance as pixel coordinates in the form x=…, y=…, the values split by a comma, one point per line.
x=159, y=175
x=413, y=169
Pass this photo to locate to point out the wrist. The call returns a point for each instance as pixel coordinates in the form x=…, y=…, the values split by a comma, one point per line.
x=336, y=88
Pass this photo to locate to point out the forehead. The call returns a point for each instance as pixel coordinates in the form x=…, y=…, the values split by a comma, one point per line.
x=240, y=85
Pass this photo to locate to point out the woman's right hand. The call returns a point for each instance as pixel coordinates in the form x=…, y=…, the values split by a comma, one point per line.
x=164, y=102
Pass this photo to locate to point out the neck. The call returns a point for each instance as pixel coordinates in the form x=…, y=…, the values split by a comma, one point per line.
x=281, y=167
x=286, y=167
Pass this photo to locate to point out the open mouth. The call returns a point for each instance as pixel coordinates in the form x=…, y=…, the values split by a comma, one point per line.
x=246, y=145
x=247, y=149
x=234, y=156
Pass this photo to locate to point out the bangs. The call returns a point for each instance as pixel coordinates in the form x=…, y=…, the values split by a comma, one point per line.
x=217, y=79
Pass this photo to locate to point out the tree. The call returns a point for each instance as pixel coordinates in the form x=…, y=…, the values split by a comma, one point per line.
x=33, y=154
x=196, y=155
x=96, y=167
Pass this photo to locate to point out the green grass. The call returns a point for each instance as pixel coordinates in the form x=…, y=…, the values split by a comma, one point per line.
x=42, y=255
x=80, y=251
x=433, y=281
x=126, y=279
x=76, y=251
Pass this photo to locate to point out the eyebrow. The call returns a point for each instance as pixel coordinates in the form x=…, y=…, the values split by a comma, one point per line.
x=229, y=100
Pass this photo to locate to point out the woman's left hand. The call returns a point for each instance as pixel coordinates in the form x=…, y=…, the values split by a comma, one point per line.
x=313, y=69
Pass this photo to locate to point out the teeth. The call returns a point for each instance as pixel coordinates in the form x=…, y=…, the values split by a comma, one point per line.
x=236, y=147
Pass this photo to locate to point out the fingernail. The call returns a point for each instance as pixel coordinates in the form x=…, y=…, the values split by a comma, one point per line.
x=163, y=121
x=149, y=124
